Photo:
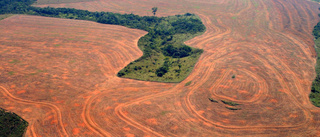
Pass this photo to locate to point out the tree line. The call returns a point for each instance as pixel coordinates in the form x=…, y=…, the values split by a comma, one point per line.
x=315, y=88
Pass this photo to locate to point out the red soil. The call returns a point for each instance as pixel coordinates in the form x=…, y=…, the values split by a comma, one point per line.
x=68, y=67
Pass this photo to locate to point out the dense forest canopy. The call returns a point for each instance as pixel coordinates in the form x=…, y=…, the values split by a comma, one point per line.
x=315, y=88
x=11, y=125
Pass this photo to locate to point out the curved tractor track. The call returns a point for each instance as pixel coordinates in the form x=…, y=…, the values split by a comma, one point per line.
x=257, y=53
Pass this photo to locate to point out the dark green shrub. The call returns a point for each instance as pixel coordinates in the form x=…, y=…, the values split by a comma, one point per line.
x=212, y=100
x=11, y=125
x=230, y=103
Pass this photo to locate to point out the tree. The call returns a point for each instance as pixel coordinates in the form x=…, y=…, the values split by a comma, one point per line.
x=154, y=10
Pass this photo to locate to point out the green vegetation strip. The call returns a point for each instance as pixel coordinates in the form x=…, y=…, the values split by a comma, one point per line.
x=233, y=108
x=11, y=125
x=213, y=100
x=315, y=89
x=188, y=83
x=229, y=103
x=165, y=56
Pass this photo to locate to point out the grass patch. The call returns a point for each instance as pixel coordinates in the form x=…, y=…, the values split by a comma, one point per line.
x=232, y=108
x=234, y=17
x=37, y=72
x=57, y=45
x=71, y=39
x=11, y=125
x=33, y=73
x=11, y=72
x=164, y=112
x=230, y=103
x=213, y=100
x=188, y=83
x=86, y=41
x=255, y=4
x=72, y=61
x=14, y=61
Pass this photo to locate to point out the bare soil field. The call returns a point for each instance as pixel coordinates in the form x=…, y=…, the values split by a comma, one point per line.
x=60, y=75
x=41, y=2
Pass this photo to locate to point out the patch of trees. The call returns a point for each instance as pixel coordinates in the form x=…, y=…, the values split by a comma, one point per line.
x=15, y=6
x=163, y=38
x=177, y=52
x=11, y=125
x=315, y=88
x=154, y=10
x=316, y=31
x=315, y=91
x=164, y=68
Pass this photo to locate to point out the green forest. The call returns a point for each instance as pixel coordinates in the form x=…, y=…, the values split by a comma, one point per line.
x=315, y=89
x=11, y=125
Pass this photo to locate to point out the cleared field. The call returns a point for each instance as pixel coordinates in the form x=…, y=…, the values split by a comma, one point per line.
x=40, y=2
x=165, y=8
x=59, y=74
x=3, y=16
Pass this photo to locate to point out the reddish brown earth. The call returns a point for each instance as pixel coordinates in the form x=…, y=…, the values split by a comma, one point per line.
x=59, y=74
